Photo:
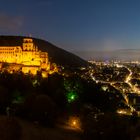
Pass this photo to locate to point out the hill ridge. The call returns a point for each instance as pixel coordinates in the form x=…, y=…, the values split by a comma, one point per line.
x=56, y=54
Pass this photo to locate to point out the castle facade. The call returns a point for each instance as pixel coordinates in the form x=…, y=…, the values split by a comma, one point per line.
x=28, y=55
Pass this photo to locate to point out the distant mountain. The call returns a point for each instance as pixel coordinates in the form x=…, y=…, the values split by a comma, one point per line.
x=121, y=54
x=56, y=55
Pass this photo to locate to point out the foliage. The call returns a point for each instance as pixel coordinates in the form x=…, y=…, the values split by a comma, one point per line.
x=4, y=98
x=106, y=126
x=73, y=89
x=41, y=108
x=18, y=98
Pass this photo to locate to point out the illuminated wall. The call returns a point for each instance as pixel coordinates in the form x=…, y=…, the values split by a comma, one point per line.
x=28, y=56
x=30, y=69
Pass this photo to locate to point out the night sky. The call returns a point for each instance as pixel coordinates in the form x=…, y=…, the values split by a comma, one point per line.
x=75, y=25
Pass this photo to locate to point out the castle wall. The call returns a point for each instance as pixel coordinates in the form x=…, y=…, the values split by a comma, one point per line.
x=10, y=54
x=27, y=54
x=28, y=58
x=31, y=70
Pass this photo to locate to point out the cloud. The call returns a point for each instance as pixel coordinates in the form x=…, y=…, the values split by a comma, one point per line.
x=11, y=23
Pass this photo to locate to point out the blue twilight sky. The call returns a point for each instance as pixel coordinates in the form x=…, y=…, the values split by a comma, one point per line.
x=75, y=25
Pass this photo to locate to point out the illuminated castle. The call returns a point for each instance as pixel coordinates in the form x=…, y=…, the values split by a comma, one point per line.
x=28, y=55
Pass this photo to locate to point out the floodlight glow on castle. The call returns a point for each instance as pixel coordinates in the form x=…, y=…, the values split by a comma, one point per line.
x=28, y=55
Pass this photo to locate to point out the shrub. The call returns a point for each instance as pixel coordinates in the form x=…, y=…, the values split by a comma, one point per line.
x=107, y=126
x=41, y=109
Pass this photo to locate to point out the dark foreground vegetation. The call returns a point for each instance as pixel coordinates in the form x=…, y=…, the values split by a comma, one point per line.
x=50, y=101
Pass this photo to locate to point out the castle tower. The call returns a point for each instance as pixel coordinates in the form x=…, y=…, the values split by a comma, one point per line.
x=28, y=44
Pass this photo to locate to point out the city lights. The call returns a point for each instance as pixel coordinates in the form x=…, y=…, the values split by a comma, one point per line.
x=119, y=75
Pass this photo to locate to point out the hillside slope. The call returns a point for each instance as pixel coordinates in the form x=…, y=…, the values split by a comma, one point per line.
x=56, y=55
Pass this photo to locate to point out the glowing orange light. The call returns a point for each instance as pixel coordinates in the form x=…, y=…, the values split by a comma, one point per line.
x=75, y=122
